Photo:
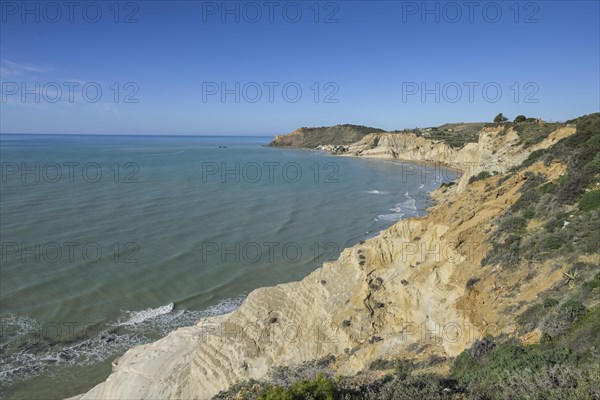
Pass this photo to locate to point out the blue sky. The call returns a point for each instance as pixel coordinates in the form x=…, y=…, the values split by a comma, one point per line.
x=191, y=68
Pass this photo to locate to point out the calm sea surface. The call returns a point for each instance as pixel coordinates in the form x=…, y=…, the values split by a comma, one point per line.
x=112, y=241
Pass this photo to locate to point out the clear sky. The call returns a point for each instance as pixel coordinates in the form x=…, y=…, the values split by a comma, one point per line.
x=268, y=67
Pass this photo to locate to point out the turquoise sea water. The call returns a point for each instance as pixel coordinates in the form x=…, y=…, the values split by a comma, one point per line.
x=112, y=241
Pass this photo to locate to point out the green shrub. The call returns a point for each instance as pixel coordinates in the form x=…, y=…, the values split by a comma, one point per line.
x=481, y=347
x=514, y=225
x=594, y=141
x=556, y=223
x=594, y=165
x=559, y=321
x=319, y=388
x=529, y=213
x=558, y=382
x=520, y=118
x=551, y=242
x=579, y=152
x=479, y=176
x=529, y=197
x=500, y=118
x=530, y=318
x=533, y=156
x=507, y=254
x=590, y=285
x=548, y=187
x=424, y=386
x=572, y=187
x=589, y=201
x=533, y=181
x=549, y=302
x=485, y=376
x=586, y=232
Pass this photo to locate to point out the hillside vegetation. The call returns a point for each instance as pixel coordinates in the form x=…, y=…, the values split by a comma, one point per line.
x=456, y=135
x=310, y=138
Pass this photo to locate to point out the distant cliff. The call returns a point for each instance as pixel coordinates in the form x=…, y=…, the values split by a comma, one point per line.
x=310, y=138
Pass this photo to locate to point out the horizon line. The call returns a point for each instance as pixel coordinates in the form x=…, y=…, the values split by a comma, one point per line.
x=127, y=134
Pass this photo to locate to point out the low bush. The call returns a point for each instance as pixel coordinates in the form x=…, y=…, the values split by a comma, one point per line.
x=514, y=225
x=480, y=347
x=551, y=242
x=425, y=386
x=589, y=201
x=533, y=157
x=318, y=388
x=479, y=176
x=557, y=322
x=528, y=198
x=529, y=213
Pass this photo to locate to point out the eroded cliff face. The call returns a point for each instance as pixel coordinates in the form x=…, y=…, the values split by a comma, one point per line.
x=418, y=282
x=497, y=150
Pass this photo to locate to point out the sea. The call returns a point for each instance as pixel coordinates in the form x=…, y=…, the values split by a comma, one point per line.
x=108, y=242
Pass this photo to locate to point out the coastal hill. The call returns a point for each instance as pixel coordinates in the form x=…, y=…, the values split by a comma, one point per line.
x=454, y=134
x=495, y=293
x=310, y=138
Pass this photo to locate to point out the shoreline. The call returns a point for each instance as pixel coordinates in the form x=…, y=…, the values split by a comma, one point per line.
x=372, y=235
x=364, y=298
x=407, y=161
x=439, y=164
x=373, y=229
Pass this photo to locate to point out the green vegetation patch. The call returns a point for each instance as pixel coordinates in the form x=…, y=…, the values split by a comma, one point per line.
x=318, y=388
x=532, y=133
x=565, y=231
x=560, y=367
x=590, y=201
x=480, y=176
